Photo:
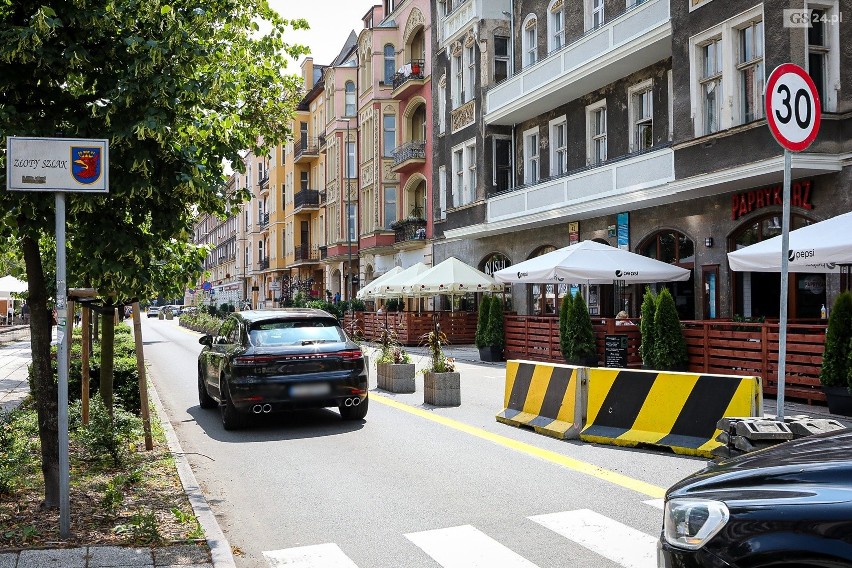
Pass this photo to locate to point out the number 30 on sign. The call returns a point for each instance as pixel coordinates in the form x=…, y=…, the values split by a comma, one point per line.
x=793, y=108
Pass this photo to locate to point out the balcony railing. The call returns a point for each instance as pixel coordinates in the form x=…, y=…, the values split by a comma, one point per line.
x=263, y=264
x=306, y=252
x=306, y=198
x=409, y=230
x=305, y=146
x=633, y=40
x=414, y=150
x=323, y=252
x=456, y=20
x=410, y=71
x=264, y=220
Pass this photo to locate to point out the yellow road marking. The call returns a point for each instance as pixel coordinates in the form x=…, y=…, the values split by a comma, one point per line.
x=553, y=457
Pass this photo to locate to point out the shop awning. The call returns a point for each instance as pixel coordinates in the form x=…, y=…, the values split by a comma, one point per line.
x=820, y=247
x=452, y=277
x=370, y=289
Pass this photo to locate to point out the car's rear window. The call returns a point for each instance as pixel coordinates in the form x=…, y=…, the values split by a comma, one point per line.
x=295, y=332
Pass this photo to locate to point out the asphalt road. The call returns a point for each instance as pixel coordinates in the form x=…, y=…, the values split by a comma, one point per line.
x=412, y=485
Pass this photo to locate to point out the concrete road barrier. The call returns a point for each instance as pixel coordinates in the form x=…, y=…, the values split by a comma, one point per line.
x=675, y=410
x=544, y=396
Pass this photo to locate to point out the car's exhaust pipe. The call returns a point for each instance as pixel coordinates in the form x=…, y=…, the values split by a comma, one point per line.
x=355, y=401
x=257, y=409
x=267, y=408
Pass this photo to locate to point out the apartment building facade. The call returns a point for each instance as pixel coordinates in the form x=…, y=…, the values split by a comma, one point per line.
x=641, y=126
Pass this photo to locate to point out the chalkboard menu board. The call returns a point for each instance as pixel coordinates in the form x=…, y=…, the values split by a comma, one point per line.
x=615, y=351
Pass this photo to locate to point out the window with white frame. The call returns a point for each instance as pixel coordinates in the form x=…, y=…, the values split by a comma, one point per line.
x=388, y=134
x=470, y=73
x=596, y=127
x=641, y=116
x=464, y=173
x=442, y=108
x=442, y=192
x=823, y=62
x=531, y=156
x=470, y=182
x=350, y=160
x=556, y=26
x=750, y=69
x=352, y=209
x=458, y=176
x=390, y=206
x=594, y=14
x=501, y=58
x=530, y=41
x=350, y=99
x=457, y=70
x=502, y=161
x=558, y=146
x=390, y=63
x=711, y=85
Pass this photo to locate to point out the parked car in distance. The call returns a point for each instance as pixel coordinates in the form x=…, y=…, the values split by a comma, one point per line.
x=153, y=311
x=270, y=360
x=786, y=505
x=175, y=309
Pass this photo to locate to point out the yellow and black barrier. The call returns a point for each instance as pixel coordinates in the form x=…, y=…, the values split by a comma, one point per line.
x=629, y=407
x=546, y=397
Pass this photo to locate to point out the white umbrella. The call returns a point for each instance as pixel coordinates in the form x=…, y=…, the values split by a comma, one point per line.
x=590, y=262
x=10, y=284
x=452, y=277
x=819, y=247
x=370, y=289
x=393, y=285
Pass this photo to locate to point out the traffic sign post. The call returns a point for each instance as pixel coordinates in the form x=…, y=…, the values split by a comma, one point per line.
x=793, y=113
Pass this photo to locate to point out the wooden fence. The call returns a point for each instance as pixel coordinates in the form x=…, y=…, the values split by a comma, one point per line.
x=714, y=346
x=410, y=327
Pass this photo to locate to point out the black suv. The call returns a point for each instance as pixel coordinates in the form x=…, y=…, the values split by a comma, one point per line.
x=263, y=361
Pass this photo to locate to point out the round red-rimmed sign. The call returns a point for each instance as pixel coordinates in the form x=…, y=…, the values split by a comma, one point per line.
x=793, y=109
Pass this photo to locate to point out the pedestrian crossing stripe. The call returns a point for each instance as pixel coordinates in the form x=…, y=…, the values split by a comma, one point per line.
x=466, y=546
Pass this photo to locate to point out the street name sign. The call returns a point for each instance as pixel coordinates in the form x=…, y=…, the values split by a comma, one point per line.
x=793, y=109
x=57, y=164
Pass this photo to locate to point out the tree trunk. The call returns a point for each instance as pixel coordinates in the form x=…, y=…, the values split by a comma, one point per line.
x=43, y=382
x=107, y=358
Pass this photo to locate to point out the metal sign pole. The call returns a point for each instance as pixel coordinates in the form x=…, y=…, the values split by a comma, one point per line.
x=785, y=269
x=62, y=363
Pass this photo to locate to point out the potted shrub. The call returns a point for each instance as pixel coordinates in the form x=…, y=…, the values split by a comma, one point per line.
x=581, y=335
x=441, y=384
x=493, y=336
x=394, y=369
x=669, y=344
x=646, y=328
x=836, y=372
x=566, y=345
x=482, y=326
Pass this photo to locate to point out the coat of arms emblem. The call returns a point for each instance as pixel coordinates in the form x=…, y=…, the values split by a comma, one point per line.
x=85, y=164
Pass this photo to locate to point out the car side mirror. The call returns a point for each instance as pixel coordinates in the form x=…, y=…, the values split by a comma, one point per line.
x=206, y=340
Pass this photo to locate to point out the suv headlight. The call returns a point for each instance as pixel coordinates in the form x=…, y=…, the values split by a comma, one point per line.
x=690, y=523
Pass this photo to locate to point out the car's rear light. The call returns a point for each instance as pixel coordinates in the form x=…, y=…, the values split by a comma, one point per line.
x=351, y=355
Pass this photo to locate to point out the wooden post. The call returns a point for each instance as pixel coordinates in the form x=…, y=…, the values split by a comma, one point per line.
x=143, y=382
x=86, y=346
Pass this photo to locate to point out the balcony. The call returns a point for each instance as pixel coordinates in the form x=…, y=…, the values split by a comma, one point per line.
x=263, y=264
x=455, y=21
x=263, y=222
x=409, y=77
x=322, y=142
x=629, y=42
x=305, y=149
x=323, y=251
x=380, y=241
x=410, y=156
x=306, y=254
x=263, y=183
x=306, y=199
x=411, y=231
x=628, y=182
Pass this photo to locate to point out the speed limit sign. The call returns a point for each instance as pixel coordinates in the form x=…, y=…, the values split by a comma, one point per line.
x=792, y=107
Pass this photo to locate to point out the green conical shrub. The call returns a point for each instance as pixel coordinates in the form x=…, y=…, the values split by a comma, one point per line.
x=836, y=368
x=565, y=343
x=494, y=331
x=669, y=344
x=646, y=327
x=482, y=321
x=580, y=331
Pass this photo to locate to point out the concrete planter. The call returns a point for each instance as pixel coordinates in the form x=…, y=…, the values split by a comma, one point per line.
x=395, y=377
x=442, y=389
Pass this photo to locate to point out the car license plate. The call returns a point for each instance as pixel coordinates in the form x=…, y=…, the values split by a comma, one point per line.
x=311, y=389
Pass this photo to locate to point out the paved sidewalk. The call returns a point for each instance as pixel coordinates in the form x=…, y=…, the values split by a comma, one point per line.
x=15, y=357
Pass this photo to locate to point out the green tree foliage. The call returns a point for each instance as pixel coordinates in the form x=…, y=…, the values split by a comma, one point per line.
x=482, y=321
x=669, y=344
x=646, y=327
x=836, y=363
x=178, y=89
x=580, y=331
x=494, y=336
x=566, y=346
